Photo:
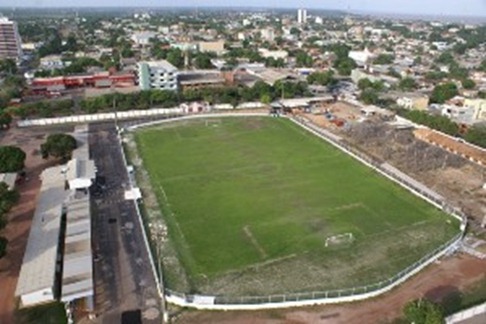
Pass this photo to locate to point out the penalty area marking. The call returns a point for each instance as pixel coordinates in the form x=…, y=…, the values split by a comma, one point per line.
x=253, y=241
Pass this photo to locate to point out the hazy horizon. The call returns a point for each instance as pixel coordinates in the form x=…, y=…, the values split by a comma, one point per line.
x=476, y=8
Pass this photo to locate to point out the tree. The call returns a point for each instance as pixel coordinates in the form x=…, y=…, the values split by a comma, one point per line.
x=365, y=84
x=7, y=199
x=203, y=61
x=302, y=59
x=440, y=123
x=322, y=78
x=12, y=159
x=384, y=59
x=407, y=84
x=175, y=57
x=468, y=84
x=476, y=135
x=58, y=146
x=445, y=58
x=482, y=66
x=369, y=96
x=8, y=66
x=345, y=65
x=422, y=311
x=5, y=120
x=3, y=246
x=443, y=92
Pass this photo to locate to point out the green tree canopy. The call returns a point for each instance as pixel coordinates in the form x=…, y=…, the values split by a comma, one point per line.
x=422, y=311
x=322, y=78
x=345, y=65
x=468, y=84
x=8, y=66
x=203, y=61
x=384, y=59
x=12, y=159
x=445, y=58
x=369, y=96
x=440, y=123
x=443, y=92
x=5, y=119
x=58, y=146
x=477, y=135
x=407, y=84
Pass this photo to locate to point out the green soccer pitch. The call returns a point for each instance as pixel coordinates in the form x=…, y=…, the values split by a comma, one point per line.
x=251, y=201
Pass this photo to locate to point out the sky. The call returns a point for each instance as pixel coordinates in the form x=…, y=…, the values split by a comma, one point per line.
x=423, y=7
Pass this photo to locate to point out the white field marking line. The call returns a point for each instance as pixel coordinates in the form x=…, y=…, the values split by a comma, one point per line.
x=253, y=241
x=349, y=206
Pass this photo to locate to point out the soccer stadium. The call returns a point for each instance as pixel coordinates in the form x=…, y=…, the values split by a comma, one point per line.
x=257, y=206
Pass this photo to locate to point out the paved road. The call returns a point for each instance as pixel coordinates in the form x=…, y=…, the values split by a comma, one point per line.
x=125, y=287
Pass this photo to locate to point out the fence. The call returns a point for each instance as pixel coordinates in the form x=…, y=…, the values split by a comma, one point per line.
x=331, y=296
x=309, y=298
x=463, y=316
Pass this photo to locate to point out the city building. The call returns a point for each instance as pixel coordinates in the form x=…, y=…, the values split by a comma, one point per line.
x=143, y=38
x=275, y=54
x=157, y=75
x=268, y=34
x=302, y=16
x=361, y=58
x=10, y=43
x=215, y=47
x=58, y=259
x=51, y=62
x=479, y=106
x=413, y=101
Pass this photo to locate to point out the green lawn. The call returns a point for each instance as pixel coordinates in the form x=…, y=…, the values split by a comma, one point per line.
x=252, y=198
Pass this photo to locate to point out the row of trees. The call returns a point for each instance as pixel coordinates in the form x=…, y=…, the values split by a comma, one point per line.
x=166, y=99
x=11, y=160
x=440, y=123
x=43, y=109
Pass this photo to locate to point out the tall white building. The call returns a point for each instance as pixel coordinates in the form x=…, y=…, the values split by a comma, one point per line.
x=268, y=34
x=10, y=43
x=302, y=16
x=157, y=75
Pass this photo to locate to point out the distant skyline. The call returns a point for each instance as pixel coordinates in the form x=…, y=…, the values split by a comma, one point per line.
x=419, y=7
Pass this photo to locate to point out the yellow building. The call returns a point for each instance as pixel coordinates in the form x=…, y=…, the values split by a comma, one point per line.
x=413, y=101
x=216, y=47
x=479, y=106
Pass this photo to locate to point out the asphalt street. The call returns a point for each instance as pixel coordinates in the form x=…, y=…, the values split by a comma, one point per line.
x=125, y=287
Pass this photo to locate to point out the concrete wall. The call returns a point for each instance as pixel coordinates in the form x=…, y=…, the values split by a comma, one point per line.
x=38, y=297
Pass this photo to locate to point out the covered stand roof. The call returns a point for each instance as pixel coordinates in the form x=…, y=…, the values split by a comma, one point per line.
x=39, y=264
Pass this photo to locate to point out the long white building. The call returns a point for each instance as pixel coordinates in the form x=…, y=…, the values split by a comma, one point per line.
x=58, y=261
x=157, y=75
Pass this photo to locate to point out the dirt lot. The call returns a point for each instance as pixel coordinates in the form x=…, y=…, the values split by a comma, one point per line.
x=20, y=217
x=436, y=282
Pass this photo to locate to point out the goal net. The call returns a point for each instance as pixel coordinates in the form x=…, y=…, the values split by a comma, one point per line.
x=340, y=239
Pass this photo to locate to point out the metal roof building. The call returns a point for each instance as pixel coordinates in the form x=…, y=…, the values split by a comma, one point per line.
x=54, y=242
x=37, y=279
x=77, y=275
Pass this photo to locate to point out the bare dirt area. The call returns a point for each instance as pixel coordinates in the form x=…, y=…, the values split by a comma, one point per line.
x=20, y=217
x=452, y=176
x=436, y=282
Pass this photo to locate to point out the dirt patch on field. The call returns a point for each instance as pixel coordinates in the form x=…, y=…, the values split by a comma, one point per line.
x=20, y=217
x=436, y=282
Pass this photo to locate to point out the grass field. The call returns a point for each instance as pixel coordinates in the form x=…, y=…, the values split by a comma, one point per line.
x=250, y=202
